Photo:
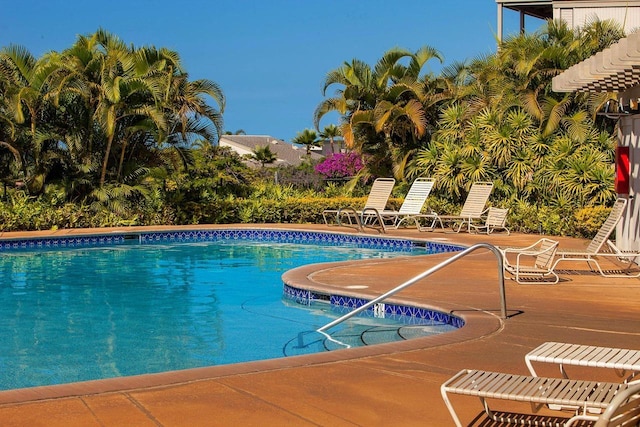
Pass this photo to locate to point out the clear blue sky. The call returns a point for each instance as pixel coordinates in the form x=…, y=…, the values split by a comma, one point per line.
x=270, y=57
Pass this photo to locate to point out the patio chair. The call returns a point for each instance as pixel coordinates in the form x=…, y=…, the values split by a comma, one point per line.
x=412, y=205
x=601, y=247
x=619, y=401
x=370, y=214
x=473, y=208
x=624, y=362
x=534, y=262
x=496, y=220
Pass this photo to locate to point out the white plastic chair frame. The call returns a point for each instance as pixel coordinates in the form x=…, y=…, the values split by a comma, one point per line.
x=370, y=214
x=601, y=247
x=496, y=220
x=542, y=252
x=412, y=205
x=473, y=209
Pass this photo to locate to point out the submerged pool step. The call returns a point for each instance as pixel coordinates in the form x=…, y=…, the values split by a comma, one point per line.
x=312, y=342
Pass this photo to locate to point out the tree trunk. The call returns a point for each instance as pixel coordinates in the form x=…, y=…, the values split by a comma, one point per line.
x=105, y=161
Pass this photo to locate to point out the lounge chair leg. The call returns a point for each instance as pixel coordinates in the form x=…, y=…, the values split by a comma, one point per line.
x=452, y=411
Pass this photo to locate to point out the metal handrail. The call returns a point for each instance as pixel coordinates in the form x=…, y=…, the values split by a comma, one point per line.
x=497, y=253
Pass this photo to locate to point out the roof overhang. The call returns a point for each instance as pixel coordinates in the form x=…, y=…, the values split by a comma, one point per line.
x=542, y=9
x=615, y=69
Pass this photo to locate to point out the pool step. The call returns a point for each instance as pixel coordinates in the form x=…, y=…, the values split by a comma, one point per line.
x=356, y=336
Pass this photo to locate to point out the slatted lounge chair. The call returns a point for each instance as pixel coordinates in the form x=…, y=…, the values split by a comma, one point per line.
x=601, y=247
x=411, y=209
x=473, y=208
x=617, y=400
x=370, y=214
x=625, y=362
x=532, y=263
x=496, y=220
x=624, y=409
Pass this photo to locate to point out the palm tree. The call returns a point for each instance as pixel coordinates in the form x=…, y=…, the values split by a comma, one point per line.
x=125, y=92
x=141, y=98
x=264, y=155
x=188, y=116
x=27, y=108
x=330, y=132
x=385, y=108
x=307, y=137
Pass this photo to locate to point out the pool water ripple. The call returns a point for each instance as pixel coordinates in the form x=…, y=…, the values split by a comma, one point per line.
x=81, y=313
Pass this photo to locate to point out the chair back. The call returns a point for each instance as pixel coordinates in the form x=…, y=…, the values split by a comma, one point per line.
x=379, y=194
x=496, y=217
x=547, y=253
x=417, y=196
x=624, y=409
x=607, y=228
x=476, y=199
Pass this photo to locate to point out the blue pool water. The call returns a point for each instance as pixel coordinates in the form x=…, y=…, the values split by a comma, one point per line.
x=73, y=314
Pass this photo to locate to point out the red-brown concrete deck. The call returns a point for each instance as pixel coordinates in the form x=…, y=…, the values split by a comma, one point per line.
x=392, y=384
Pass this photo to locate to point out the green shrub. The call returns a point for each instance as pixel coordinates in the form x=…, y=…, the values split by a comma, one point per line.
x=268, y=204
x=589, y=220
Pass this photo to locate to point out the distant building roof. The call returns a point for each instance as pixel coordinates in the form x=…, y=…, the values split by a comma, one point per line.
x=286, y=153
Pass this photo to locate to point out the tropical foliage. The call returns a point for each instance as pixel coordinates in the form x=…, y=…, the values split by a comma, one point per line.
x=96, y=119
x=494, y=118
x=105, y=133
x=388, y=110
x=331, y=132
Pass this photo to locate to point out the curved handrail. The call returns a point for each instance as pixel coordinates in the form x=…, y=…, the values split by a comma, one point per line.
x=503, y=299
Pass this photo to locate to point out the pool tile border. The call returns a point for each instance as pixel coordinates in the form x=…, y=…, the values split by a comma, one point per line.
x=306, y=297
x=301, y=237
x=230, y=234
x=61, y=242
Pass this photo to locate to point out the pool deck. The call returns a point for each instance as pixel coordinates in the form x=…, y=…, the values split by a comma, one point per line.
x=392, y=384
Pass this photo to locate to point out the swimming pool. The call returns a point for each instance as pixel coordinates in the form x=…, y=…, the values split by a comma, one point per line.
x=70, y=315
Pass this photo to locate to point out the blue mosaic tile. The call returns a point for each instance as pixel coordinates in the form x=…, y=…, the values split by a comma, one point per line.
x=284, y=236
x=61, y=242
x=300, y=296
x=415, y=315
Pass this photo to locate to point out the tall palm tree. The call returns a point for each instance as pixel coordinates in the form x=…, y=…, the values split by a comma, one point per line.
x=330, y=132
x=27, y=107
x=384, y=108
x=125, y=92
x=308, y=138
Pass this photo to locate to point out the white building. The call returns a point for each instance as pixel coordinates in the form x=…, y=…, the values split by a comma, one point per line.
x=575, y=12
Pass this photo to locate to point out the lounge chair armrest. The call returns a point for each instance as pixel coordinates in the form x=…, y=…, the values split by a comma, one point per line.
x=535, y=253
x=522, y=249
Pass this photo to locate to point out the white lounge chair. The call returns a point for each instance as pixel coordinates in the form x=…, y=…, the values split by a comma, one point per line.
x=531, y=262
x=625, y=362
x=412, y=205
x=473, y=208
x=496, y=220
x=601, y=247
x=370, y=214
x=624, y=409
x=618, y=400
